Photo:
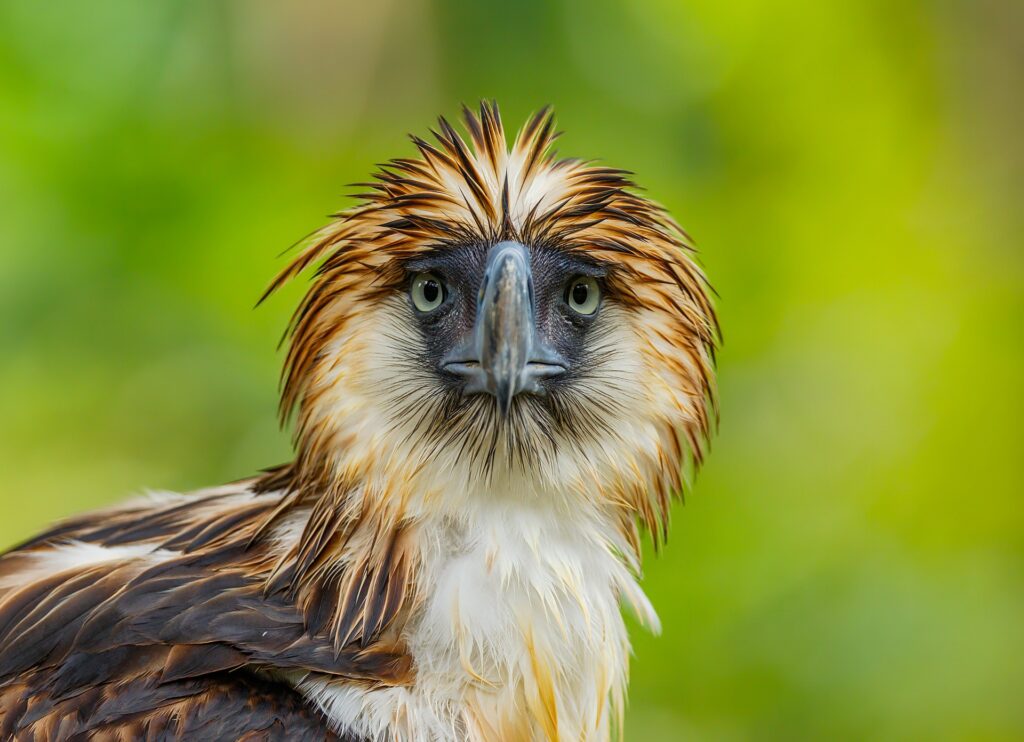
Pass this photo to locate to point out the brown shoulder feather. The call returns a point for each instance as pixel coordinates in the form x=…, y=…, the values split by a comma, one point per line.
x=177, y=595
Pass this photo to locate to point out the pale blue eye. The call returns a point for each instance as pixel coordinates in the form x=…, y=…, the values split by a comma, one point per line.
x=427, y=292
x=583, y=295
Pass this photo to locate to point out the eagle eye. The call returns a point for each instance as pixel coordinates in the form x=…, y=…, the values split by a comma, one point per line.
x=427, y=292
x=583, y=295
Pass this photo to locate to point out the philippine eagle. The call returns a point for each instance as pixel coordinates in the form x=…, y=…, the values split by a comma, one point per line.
x=502, y=366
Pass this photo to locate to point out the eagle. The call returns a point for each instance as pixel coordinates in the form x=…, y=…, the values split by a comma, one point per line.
x=499, y=377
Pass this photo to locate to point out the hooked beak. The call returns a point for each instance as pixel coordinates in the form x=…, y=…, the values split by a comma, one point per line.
x=505, y=356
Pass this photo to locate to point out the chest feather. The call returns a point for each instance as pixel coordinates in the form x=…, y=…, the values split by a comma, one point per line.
x=519, y=636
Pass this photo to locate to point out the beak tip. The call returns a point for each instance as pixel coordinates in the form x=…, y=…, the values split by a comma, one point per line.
x=503, y=395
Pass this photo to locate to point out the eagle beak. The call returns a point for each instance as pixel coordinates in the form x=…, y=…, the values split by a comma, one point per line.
x=508, y=356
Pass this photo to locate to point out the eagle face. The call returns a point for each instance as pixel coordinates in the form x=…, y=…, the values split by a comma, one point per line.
x=511, y=354
x=491, y=318
x=495, y=327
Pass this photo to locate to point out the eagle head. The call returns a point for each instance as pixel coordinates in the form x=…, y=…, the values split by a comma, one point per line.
x=496, y=321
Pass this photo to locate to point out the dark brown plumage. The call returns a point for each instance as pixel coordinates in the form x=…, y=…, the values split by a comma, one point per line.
x=212, y=709
x=131, y=651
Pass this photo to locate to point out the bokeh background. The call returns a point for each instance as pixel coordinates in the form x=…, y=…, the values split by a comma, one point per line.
x=850, y=564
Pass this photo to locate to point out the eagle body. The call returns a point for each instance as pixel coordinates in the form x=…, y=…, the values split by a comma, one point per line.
x=499, y=371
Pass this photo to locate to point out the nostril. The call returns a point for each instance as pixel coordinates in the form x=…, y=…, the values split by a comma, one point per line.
x=536, y=372
x=461, y=368
x=474, y=379
x=542, y=370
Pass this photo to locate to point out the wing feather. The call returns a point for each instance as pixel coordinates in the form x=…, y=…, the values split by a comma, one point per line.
x=163, y=622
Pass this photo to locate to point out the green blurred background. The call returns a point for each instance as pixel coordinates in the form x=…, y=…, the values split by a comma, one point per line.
x=849, y=564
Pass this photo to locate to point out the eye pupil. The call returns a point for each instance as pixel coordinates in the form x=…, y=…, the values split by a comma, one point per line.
x=431, y=291
x=579, y=293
